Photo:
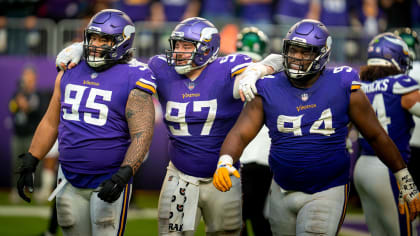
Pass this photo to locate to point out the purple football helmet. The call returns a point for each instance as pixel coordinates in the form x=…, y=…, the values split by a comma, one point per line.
x=205, y=37
x=313, y=36
x=115, y=25
x=388, y=49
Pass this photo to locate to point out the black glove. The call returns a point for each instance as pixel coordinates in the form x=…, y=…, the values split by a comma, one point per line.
x=111, y=188
x=26, y=175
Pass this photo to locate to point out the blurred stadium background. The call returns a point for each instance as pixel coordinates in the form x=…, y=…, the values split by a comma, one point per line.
x=32, y=32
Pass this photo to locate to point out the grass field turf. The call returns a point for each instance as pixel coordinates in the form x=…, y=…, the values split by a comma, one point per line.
x=33, y=225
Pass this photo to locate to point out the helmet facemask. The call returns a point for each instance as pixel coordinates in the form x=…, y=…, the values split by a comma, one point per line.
x=312, y=59
x=205, y=38
x=91, y=51
x=175, y=58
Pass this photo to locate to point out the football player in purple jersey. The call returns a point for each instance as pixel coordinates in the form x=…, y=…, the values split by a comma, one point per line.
x=307, y=108
x=395, y=98
x=103, y=115
x=200, y=99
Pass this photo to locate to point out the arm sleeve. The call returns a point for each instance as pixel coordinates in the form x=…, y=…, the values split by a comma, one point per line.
x=275, y=61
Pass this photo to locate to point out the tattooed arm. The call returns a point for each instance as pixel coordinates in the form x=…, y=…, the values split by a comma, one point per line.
x=140, y=114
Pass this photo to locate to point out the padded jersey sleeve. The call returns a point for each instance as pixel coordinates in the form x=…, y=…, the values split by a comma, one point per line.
x=142, y=78
x=350, y=79
x=237, y=63
x=263, y=83
x=404, y=84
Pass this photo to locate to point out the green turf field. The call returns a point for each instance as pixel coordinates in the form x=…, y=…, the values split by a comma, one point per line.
x=24, y=219
x=31, y=226
x=34, y=225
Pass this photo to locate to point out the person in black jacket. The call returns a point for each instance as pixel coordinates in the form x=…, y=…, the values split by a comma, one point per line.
x=26, y=110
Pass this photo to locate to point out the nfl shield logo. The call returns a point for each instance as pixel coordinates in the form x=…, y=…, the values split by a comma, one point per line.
x=94, y=75
x=304, y=97
x=191, y=85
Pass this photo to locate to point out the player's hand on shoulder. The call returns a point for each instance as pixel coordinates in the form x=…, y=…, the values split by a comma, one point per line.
x=70, y=56
x=408, y=193
x=221, y=178
x=110, y=190
x=26, y=175
x=247, y=80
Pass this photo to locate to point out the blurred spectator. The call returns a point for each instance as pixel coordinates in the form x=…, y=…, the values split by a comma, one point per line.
x=369, y=20
x=334, y=13
x=19, y=40
x=26, y=110
x=218, y=11
x=366, y=21
x=137, y=10
x=64, y=9
x=173, y=10
x=288, y=12
x=3, y=35
x=415, y=14
x=169, y=11
x=398, y=12
x=255, y=12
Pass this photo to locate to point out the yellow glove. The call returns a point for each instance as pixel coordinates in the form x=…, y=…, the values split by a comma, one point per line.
x=221, y=178
x=408, y=193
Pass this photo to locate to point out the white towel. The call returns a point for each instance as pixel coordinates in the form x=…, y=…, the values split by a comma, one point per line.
x=184, y=204
x=62, y=181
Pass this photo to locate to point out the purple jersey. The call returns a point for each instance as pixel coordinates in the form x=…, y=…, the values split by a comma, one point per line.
x=308, y=129
x=385, y=96
x=198, y=114
x=93, y=132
